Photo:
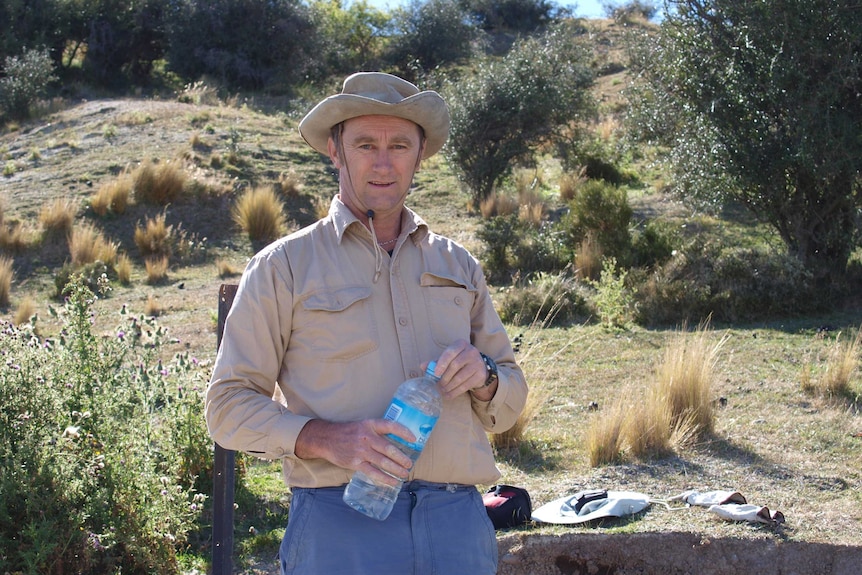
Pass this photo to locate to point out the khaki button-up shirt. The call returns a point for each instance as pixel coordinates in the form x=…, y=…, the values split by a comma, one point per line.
x=310, y=318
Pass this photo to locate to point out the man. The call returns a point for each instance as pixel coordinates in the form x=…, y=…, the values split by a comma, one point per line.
x=333, y=318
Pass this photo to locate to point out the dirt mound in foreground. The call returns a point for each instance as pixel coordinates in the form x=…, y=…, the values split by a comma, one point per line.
x=670, y=554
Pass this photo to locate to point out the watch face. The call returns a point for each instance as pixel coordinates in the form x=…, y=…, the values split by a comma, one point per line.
x=492, y=369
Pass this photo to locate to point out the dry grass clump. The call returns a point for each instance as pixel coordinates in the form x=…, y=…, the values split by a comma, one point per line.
x=226, y=269
x=677, y=408
x=152, y=308
x=124, y=269
x=113, y=196
x=321, y=207
x=260, y=214
x=25, y=311
x=57, y=218
x=513, y=437
x=604, y=436
x=684, y=379
x=14, y=237
x=648, y=428
x=289, y=184
x=498, y=205
x=569, y=184
x=157, y=269
x=158, y=184
x=155, y=238
x=7, y=274
x=841, y=364
x=87, y=245
x=588, y=258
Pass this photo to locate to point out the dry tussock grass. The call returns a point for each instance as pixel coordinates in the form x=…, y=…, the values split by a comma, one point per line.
x=588, y=258
x=87, y=244
x=227, y=269
x=113, y=196
x=674, y=410
x=569, y=184
x=498, y=204
x=289, y=184
x=842, y=363
x=260, y=214
x=124, y=269
x=7, y=274
x=157, y=269
x=25, y=311
x=56, y=218
x=604, y=436
x=15, y=237
x=155, y=238
x=158, y=184
x=513, y=437
x=684, y=379
x=152, y=308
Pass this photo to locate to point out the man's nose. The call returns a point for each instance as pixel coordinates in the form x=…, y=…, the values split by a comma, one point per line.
x=383, y=159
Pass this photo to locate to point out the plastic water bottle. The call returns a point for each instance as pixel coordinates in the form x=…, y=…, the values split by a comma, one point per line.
x=416, y=405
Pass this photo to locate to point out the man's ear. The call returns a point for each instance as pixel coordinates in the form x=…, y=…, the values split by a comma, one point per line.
x=333, y=153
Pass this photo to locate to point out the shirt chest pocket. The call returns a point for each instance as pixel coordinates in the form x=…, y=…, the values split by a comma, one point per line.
x=449, y=302
x=336, y=324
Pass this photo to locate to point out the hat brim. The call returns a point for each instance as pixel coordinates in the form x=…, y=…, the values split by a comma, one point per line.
x=617, y=504
x=427, y=109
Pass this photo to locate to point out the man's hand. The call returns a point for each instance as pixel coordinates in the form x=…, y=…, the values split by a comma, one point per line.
x=462, y=369
x=357, y=445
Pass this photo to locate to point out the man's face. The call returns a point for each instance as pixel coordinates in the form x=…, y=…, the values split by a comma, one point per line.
x=377, y=158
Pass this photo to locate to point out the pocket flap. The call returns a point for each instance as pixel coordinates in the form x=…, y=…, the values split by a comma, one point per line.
x=336, y=299
x=430, y=279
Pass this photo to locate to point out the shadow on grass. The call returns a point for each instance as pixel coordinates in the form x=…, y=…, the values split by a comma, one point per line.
x=530, y=456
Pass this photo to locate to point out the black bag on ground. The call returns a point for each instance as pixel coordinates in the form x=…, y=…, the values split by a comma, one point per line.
x=508, y=506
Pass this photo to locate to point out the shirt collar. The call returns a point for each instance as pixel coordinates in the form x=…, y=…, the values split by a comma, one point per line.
x=343, y=218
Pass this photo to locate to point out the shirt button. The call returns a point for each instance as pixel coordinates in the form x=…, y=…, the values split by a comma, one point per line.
x=458, y=300
x=403, y=321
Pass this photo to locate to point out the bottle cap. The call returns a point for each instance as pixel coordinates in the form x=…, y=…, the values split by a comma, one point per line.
x=429, y=371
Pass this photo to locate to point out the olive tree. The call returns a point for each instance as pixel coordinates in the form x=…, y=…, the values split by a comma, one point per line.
x=758, y=103
x=428, y=34
x=508, y=107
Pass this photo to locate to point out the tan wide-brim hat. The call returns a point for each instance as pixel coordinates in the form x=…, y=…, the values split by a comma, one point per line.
x=373, y=94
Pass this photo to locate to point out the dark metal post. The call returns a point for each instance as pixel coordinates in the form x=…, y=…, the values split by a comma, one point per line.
x=223, y=473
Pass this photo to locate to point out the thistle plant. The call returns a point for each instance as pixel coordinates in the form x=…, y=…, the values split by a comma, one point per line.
x=103, y=446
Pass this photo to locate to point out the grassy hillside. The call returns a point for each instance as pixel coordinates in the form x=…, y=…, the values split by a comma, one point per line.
x=777, y=444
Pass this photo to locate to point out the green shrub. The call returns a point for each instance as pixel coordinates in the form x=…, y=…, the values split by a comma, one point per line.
x=514, y=15
x=613, y=300
x=729, y=284
x=100, y=447
x=603, y=210
x=547, y=299
x=429, y=33
x=508, y=107
x=514, y=247
x=26, y=78
x=654, y=244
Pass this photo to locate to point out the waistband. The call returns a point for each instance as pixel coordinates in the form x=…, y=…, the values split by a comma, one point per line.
x=408, y=486
x=419, y=485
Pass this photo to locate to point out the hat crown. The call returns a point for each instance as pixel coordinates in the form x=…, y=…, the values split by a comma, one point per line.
x=378, y=86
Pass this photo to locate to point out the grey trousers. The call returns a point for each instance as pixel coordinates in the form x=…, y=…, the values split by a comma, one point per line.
x=434, y=529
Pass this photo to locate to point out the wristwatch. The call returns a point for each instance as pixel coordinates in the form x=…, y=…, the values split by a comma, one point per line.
x=491, y=366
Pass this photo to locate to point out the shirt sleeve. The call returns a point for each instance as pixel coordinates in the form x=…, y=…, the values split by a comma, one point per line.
x=242, y=409
x=489, y=336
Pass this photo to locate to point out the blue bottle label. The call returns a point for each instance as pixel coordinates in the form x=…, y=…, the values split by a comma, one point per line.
x=420, y=424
